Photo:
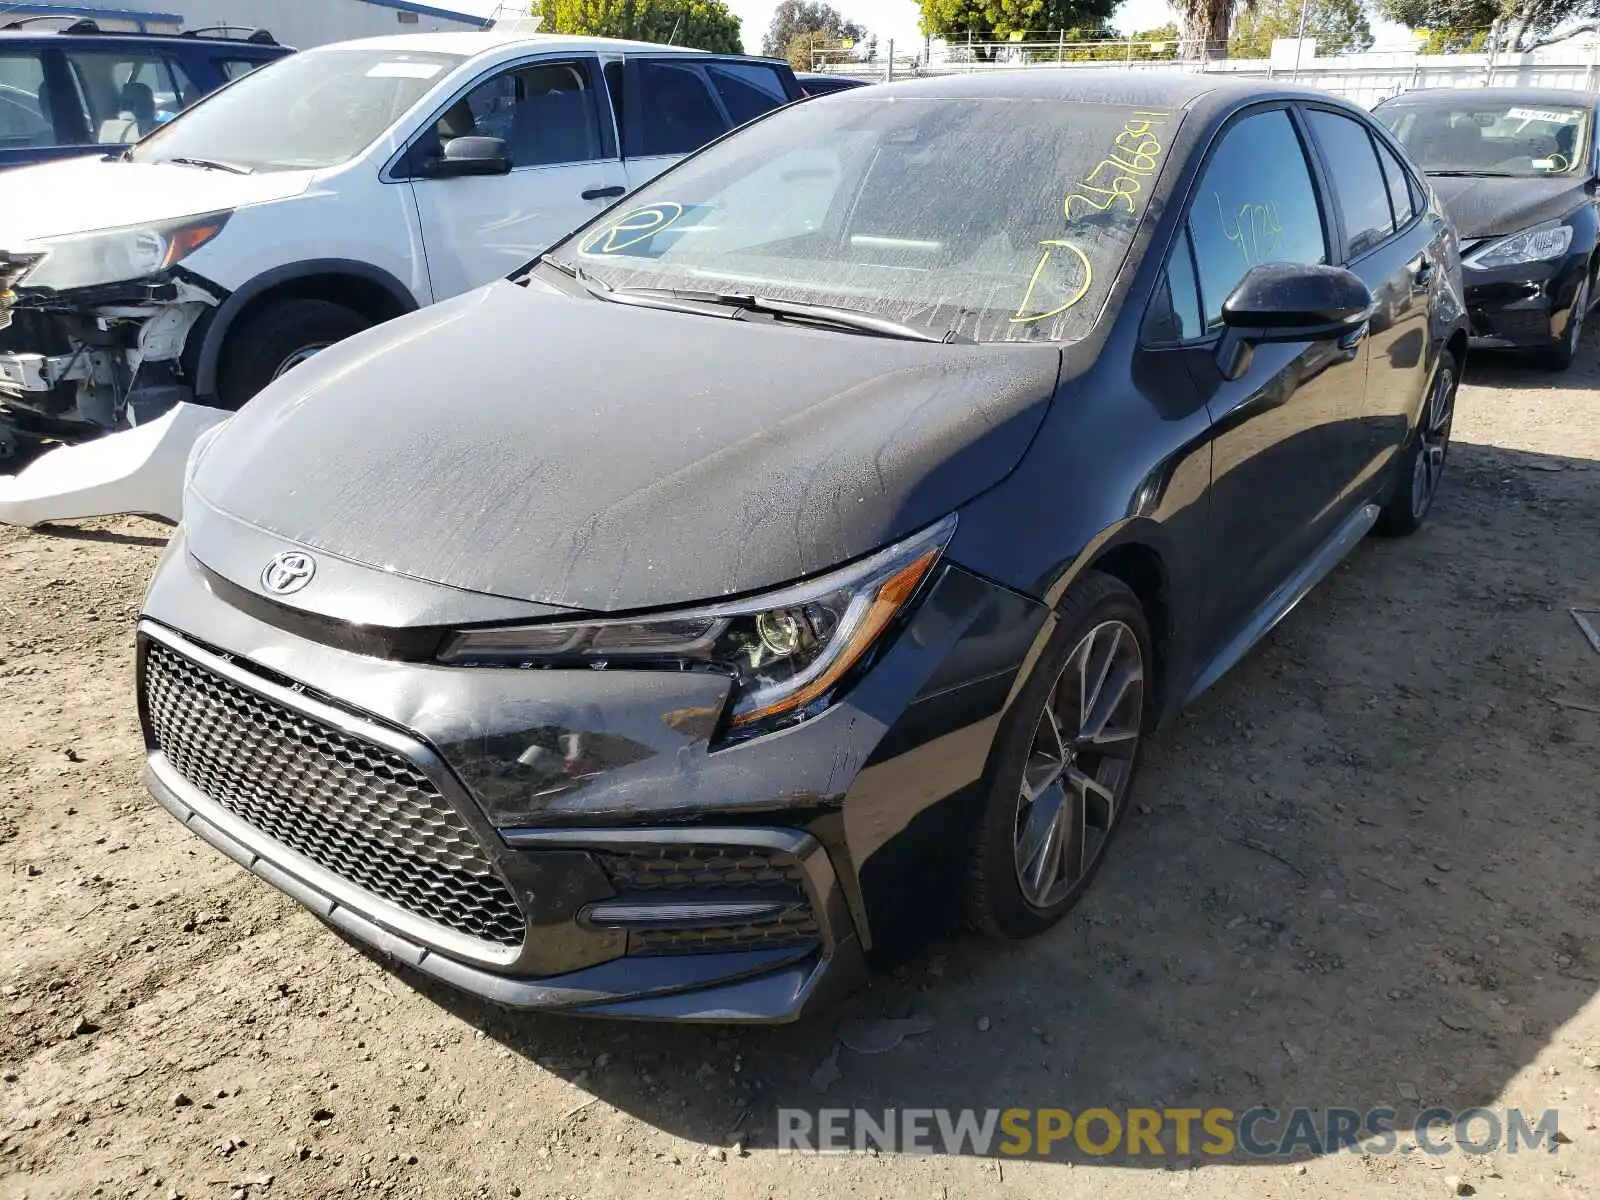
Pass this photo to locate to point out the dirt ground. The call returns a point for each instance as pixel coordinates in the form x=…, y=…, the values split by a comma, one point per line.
x=1363, y=872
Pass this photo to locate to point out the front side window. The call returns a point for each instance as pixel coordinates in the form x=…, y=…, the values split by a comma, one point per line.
x=25, y=119
x=1358, y=181
x=546, y=114
x=1481, y=137
x=996, y=219
x=316, y=109
x=1254, y=204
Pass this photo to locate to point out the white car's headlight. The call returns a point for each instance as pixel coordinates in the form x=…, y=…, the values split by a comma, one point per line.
x=786, y=651
x=1539, y=244
x=118, y=255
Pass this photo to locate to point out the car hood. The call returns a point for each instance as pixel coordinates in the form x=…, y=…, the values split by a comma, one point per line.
x=605, y=457
x=1486, y=206
x=81, y=195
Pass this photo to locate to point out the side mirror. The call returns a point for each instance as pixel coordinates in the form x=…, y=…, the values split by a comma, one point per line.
x=1291, y=302
x=469, y=156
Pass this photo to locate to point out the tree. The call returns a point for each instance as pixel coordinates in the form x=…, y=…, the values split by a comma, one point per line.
x=1523, y=25
x=795, y=17
x=1338, y=26
x=1206, y=24
x=1005, y=20
x=702, y=24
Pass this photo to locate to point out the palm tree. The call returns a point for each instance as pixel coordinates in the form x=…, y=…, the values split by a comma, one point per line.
x=1206, y=24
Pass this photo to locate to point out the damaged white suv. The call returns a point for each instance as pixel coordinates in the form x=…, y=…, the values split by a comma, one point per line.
x=323, y=194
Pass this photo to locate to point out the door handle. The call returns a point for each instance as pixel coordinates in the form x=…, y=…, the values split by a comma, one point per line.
x=603, y=193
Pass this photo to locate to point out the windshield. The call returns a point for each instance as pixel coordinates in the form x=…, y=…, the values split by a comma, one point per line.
x=1491, y=137
x=311, y=110
x=996, y=220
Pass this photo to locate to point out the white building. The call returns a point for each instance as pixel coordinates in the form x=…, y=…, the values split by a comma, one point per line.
x=299, y=23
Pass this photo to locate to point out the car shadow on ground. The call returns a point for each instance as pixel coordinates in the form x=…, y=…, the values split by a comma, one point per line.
x=1358, y=875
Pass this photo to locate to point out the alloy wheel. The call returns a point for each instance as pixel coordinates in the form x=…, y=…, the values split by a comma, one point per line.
x=1079, y=764
x=1433, y=441
x=304, y=354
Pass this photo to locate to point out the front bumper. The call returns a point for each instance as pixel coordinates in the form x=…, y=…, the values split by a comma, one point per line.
x=1522, y=307
x=653, y=875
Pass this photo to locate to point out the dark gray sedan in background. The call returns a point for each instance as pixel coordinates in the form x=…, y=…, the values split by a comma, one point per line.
x=831, y=524
x=1518, y=170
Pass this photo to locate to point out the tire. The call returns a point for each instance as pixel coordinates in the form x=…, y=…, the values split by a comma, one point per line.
x=1562, y=354
x=1419, y=466
x=266, y=344
x=1099, y=617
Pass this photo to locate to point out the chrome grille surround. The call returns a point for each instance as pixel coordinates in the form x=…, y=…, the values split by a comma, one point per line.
x=361, y=811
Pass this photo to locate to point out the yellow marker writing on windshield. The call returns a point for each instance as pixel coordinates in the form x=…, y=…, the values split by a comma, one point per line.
x=1050, y=248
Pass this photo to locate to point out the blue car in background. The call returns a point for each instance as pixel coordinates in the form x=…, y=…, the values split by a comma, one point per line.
x=81, y=90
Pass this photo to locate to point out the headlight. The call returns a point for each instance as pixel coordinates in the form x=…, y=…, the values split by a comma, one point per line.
x=117, y=255
x=1539, y=244
x=786, y=651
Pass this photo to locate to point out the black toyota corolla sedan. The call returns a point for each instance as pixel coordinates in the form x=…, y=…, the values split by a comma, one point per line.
x=806, y=544
x=1518, y=173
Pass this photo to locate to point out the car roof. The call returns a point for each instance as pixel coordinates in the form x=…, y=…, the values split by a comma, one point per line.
x=1093, y=85
x=1511, y=95
x=472, y=44
x=121, y=38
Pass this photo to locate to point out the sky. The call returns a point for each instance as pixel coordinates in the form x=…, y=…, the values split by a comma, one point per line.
x=897, y=19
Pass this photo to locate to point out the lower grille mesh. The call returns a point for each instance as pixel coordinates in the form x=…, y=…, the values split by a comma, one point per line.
x=354, y=808
x=667, y=872
x=675, y=868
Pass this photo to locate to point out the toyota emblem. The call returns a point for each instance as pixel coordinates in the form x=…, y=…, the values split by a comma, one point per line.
x=288, y=572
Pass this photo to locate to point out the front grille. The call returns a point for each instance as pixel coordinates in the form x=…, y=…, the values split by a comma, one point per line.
x=1520, y=324
x=357, y=809
x=667, y=872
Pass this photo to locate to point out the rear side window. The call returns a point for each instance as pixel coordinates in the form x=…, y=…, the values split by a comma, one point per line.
x=25, y=119
x=1358, y=181
x=1254, y=204
x=1394, y=175
x=674, y=110
x=125, y=95
x=238, y=68
x=747, y=89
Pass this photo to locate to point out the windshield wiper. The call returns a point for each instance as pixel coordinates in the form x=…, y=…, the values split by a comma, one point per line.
x=1461, y=174
x=641, y=298
x=210, y=164
x=825, y=314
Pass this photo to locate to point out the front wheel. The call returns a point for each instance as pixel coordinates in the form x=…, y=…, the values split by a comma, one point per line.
x=1561, y=355
x=268, y=344
x=1063, y=764
x=1420, y=465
